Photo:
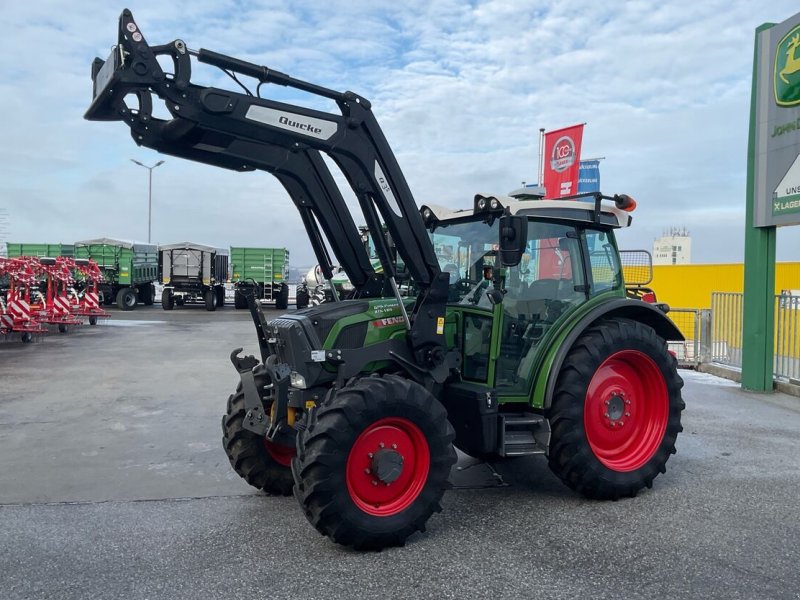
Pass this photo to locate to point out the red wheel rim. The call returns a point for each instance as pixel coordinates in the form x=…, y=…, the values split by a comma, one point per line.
x=368, y=492
x=282, y=455
x=626, y=410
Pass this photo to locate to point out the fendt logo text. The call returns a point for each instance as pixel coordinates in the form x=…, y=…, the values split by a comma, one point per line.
x=787, y=69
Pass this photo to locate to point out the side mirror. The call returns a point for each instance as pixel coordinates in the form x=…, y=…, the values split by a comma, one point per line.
x=513, y=239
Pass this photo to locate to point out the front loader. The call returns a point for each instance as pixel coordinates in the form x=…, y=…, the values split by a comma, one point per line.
x=519, y=338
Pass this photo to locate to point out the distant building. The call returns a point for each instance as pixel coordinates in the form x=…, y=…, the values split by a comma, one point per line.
x=673, y=248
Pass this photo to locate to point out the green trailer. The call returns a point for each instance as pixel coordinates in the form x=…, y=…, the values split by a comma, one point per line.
x=129, y=270
x=263, y=272
x=52, y=250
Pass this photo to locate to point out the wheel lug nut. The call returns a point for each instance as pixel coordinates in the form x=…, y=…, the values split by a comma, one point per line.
x=613, y=423
x=374, y=482
x=367, y=471
x=627, y=414
x=621, y=423
x=607, y=416
x=394, y=446
x=381, y=445
x=608, y=402
x=627, y=401
x=370, y=454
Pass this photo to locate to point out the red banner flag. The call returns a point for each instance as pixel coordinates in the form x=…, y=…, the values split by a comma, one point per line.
x=562, y=157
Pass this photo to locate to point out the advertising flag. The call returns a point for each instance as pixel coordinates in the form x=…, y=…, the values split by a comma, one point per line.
x=589, y=176
x=562, y=152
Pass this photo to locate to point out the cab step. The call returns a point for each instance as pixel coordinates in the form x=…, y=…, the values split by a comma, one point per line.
x=522, y=434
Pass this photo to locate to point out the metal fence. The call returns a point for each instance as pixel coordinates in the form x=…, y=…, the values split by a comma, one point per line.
x=692, y=322
x=726, y=333
x=726, y=328
x=787, y=337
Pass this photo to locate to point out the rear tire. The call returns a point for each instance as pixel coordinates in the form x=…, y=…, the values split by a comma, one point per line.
x=126, y=299
x=338, y=480
x=92, y=320
x=167, y=300
x=26, y=337
x=261, y=464
x=210, y=298
x=616, y=411
x=220, y=292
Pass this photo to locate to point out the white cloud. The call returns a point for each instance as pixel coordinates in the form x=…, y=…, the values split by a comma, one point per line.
x=461, y=90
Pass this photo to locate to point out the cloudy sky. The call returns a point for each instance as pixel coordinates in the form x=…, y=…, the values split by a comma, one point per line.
x=461, y=89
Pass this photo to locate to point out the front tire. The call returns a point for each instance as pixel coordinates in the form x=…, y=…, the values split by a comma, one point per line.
x=373, y=464
x=282, y=299
x=616, y=411
x=261, y=463
x=302, y=299
x=148, y=294
x=239, y=300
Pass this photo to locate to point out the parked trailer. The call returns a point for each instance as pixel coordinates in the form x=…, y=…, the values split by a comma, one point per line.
x=263, y=272
x=16, y=250
x=129, y=270
x=193, y=272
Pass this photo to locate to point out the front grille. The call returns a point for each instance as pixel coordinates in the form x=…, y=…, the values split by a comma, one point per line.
x=351, y=336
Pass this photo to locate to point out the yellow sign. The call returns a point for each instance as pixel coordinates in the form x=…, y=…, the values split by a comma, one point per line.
x=439, y=325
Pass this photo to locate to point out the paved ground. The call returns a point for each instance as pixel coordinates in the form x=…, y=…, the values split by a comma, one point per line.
x=113, y=484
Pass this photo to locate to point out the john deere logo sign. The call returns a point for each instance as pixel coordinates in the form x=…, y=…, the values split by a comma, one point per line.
x=787, y=69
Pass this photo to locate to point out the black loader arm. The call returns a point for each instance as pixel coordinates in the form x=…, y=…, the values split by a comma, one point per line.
x=243, y=132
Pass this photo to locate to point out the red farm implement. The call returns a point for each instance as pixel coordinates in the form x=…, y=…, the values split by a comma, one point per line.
x=17, y=316
x=88, y=301
x=57, y=306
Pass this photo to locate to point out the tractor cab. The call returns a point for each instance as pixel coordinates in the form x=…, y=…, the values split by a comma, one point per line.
x=505, y=314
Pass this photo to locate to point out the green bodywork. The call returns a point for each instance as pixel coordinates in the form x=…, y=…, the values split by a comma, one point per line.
x=263, y=265
x=385, y=322
x=51, y=250
x=122, y=263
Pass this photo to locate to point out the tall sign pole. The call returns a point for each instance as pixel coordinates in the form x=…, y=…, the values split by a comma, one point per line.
x=773, y=188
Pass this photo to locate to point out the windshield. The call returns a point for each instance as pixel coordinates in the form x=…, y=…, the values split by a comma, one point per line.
x=465, y=250
x=469, y=252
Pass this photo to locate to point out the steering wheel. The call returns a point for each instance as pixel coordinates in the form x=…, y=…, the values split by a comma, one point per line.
x=464, y=285
x=459, y=288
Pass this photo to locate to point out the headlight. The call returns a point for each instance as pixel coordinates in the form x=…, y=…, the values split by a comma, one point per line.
x=297, y=381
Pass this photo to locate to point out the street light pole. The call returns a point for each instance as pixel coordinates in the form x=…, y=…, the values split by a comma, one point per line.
x=149, y=193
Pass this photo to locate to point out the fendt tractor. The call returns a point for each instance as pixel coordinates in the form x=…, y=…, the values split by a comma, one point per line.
x=517, y=339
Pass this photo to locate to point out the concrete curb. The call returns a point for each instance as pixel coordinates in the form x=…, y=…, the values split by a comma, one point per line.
x=735, y=374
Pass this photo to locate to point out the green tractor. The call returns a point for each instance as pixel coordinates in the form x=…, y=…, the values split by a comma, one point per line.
x=519, y=338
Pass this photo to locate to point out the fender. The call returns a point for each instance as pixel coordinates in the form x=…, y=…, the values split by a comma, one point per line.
x=635, y=310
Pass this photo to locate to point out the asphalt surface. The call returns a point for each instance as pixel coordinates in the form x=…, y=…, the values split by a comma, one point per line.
x=114, y=484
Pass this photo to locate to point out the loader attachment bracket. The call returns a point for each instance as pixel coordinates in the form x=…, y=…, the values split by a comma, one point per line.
x=255, y=419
